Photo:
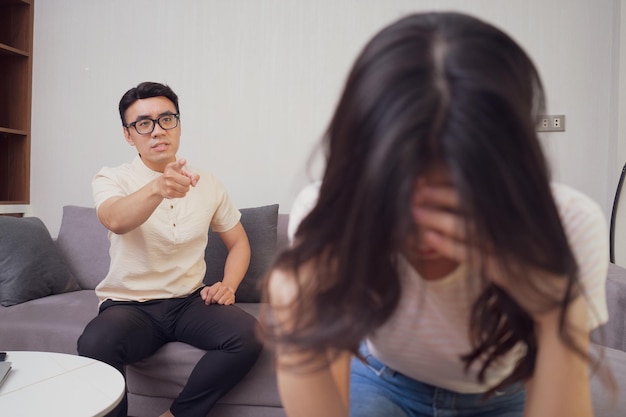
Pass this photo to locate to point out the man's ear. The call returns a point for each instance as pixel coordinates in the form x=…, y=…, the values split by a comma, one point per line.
x=130, y=140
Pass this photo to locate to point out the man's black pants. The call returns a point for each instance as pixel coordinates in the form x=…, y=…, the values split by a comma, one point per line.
x=125, y=332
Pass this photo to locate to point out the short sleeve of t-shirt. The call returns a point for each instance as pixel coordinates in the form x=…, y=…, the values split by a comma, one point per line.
x=587, y=233
x=105, y=184
x=226, y=215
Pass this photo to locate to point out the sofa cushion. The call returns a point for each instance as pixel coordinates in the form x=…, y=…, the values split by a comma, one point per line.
x=30, y=264
x=606, y=402
x=50, y=324
x=613, y=333
x=84, y=243
x=260, y=224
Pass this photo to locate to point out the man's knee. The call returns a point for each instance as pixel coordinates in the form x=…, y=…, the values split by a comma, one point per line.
x=242, y=335
x=94, y=345
x=246, y=343
x=252, y=347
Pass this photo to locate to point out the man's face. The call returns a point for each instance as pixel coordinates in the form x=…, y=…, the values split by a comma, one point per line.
x=157, y=149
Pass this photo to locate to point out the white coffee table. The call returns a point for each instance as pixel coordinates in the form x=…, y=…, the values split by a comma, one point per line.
x=58, y=384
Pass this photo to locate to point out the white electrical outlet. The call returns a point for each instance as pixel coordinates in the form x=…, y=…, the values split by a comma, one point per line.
x=551, y=123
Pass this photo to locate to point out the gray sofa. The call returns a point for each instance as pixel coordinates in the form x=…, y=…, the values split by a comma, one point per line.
x=49, y=313
x=56, y=318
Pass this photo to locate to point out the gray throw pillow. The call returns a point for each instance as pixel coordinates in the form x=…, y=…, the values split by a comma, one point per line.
x=30, y=264
x=260, y=224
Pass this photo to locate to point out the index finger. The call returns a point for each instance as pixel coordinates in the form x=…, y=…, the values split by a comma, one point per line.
x=193, y=177
x=177, y=165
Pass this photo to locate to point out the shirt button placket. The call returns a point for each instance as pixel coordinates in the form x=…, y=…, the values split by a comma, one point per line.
x=173, y=218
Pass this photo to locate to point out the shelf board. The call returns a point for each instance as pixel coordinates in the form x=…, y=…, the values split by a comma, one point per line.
x=9, y=50
x=14, y=206
x=10, y=2
x=12, y=131
x=5, y=2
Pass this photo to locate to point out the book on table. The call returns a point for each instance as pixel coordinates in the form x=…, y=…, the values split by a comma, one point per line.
x=5, y=368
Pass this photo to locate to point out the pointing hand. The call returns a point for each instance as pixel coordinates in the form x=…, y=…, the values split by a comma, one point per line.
x=176, y=180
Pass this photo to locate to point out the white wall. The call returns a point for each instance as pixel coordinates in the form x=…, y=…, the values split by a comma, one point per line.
x=258, y=80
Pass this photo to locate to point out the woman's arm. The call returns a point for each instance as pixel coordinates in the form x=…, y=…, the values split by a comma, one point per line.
x=315, y=392
x=310, y=384
x=560, y=384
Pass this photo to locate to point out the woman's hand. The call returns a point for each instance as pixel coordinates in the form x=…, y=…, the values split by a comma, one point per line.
x=444, y=228
x=560, y=383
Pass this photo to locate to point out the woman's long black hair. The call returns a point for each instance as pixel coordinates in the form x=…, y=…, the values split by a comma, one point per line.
x=432, y=87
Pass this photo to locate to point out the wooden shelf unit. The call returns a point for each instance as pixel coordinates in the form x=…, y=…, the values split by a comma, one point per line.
x=16, y=45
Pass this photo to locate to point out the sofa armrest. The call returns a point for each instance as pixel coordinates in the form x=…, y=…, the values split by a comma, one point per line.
x=613, y=333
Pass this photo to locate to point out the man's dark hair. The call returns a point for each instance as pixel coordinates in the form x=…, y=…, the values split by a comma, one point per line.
x=146, y=89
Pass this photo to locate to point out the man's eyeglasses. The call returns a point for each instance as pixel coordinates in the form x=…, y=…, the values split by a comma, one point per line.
x=146, y=126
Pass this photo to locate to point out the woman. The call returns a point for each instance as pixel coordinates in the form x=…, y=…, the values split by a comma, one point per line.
x=439, y=272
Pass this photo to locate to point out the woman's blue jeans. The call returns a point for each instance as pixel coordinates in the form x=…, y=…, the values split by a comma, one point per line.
x=378, y=391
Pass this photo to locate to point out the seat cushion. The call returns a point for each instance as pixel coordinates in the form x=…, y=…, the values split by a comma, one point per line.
x=50, y=324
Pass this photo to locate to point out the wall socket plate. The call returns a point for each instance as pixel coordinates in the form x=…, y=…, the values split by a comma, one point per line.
x=551, y=123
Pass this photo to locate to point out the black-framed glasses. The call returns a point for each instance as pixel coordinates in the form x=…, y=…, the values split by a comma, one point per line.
x=146, y=126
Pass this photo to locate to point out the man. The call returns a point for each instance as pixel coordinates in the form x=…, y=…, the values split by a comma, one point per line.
x=158, y=213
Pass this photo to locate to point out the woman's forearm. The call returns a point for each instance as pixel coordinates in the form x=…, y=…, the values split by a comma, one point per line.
x=311, y=384
x=560, y=384
x=311, y=394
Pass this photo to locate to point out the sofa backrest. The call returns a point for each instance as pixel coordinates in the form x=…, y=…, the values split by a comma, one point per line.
x=83, y=242
x=260, y=224
x=613, y=333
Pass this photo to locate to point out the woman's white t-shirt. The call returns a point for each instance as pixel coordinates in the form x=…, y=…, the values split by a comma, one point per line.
x=429, y=330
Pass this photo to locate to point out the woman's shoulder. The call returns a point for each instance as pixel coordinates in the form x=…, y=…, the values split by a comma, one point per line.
x=286, y=285
x=583, y=220
x=587, y=231
x=282, y=287
x=302, y=205
x=573, y=202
